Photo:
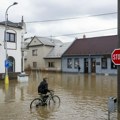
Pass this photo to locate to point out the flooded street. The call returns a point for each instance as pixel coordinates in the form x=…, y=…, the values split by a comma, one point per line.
x=83, y=97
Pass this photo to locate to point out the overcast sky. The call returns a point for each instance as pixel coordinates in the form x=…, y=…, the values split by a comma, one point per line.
x=41, y=10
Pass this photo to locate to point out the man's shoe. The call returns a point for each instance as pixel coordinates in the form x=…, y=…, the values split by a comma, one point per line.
x=44, y=104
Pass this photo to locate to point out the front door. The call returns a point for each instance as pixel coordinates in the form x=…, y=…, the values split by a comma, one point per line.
x=85, y=65
x=11, y=64
x=93, y=65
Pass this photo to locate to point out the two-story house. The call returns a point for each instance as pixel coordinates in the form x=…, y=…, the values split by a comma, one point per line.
x=14, y=37
x=44, y=53
x=37, y=49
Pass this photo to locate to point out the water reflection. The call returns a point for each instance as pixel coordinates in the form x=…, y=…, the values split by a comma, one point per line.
x=83, y=97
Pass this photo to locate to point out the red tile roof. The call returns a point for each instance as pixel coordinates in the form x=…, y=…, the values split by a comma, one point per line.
x=93, y=46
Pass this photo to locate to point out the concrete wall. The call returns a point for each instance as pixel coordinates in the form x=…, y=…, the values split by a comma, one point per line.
x=57, y=64
x=42, y=51
x=98, y=68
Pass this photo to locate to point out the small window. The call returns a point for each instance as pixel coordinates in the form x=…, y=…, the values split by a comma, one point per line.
x=104, y=63
x=51, y=64
x=34, y=64
x=113, y=66
x=34, y=52
x=10, y=37
x=76, y=62
x=69, y=63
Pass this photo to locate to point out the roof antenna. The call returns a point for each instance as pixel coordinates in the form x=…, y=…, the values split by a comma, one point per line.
x=52, y=39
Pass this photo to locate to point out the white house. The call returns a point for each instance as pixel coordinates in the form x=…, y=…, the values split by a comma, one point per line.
x=14, y=37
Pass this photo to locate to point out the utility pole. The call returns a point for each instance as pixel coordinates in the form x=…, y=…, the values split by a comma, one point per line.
x=118, y=69
x=5, y=41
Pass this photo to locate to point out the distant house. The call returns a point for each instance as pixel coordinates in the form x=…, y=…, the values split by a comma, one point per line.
x=37, y=49
x=15, y=35
x=44, y=54
x=92, y=54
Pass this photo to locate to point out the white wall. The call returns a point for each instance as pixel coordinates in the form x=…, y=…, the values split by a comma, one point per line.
x=15, y=50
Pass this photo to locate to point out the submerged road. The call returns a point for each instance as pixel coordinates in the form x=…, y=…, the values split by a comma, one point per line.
x=83, y=97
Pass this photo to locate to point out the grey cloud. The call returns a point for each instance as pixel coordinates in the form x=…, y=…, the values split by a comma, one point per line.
x=53, y=9
x=37, y=10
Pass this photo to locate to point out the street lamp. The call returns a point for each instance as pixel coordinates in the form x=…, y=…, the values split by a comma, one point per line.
x=5, y=40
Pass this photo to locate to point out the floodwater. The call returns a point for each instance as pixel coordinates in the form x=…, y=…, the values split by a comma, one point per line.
x=83, y=97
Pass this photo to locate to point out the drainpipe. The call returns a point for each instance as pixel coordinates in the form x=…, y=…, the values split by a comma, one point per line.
x=89, y=64
x=22, y=53
x=118, y=67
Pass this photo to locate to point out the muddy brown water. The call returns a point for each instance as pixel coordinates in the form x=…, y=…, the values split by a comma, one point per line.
x=83, y=97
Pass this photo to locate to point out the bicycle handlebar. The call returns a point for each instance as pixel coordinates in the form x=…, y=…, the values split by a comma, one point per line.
x=50, y=91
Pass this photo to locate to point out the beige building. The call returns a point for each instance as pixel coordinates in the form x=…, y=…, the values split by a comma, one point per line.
x=44, y=54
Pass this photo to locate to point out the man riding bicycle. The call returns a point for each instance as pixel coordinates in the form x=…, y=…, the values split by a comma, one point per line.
x=44, y=98
x=43, y=89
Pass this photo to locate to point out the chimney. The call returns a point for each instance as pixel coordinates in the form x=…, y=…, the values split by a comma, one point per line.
x=76, y=38
x=22, y=20
x=84, y=36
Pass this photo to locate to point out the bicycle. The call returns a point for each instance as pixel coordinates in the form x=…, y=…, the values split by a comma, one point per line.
x=50, y=100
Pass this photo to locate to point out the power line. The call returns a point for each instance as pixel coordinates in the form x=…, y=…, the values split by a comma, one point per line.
x=85, y=32
x=61, y=19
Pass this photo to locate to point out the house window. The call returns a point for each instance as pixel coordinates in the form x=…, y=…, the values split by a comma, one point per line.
x=34, y=64
x=34, y=52
x=10, y=37
x=104, y=63
x=76, y=62
x=51, y=64
x=69, y=63
x=113, y=66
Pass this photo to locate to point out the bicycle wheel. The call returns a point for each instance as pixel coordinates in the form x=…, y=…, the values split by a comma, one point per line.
x=54, y=101
x=36, y=103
